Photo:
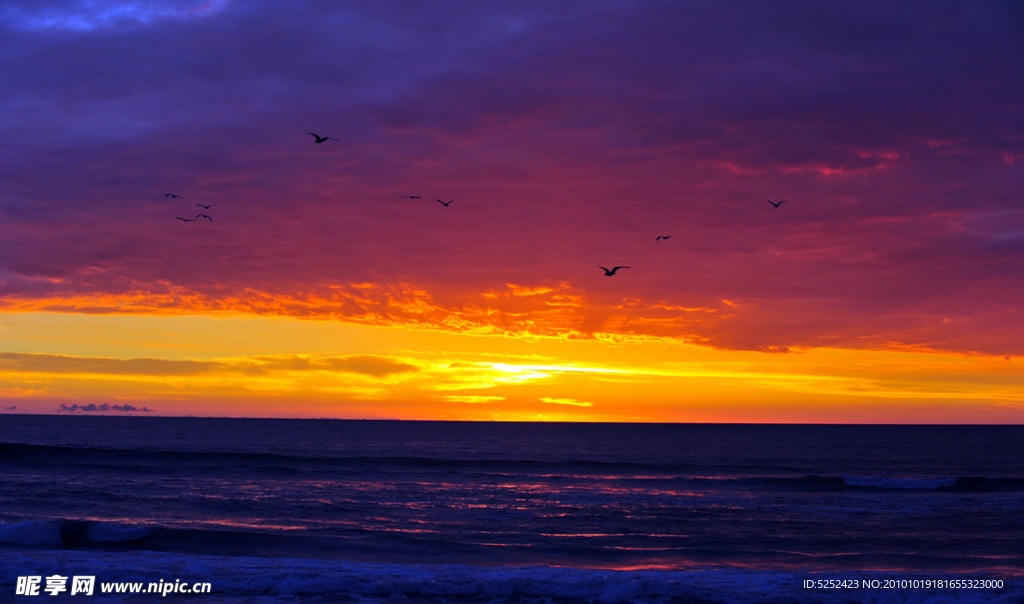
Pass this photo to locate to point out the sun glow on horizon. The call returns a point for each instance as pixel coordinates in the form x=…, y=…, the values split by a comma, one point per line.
x=252, y=366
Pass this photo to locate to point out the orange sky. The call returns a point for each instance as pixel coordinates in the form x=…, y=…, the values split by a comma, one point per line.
x=244, y=365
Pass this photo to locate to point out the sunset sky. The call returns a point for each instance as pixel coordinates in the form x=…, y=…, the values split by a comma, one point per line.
x=888, y=288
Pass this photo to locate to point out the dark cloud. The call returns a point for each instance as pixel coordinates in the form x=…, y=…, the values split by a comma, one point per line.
x=94, y=408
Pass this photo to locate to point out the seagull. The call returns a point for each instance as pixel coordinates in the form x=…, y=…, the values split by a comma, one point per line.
x=206, y=207
x=660, y=237
x=777, y=204
x=412, y=196
x=174, y=196
x=186, y=219
x=609, y=273
x=320, y=139
x=445, y=203
x=198, y=216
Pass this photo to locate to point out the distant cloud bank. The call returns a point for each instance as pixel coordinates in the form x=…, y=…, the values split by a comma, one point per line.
x=94, y=408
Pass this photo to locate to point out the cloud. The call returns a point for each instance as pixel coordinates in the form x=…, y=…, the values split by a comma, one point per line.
x=88, y=16
x=566, y=401
x=369, y=365
x=929, y=313
x=471, y=399
x=362, y=364
x=570, y=134
x=373, y=366
x=94, y=408
x=50, y=363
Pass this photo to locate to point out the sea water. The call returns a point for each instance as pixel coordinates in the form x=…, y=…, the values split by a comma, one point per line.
x=267, y=510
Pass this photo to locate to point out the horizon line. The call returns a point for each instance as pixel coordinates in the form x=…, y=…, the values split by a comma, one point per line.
x=500, y=421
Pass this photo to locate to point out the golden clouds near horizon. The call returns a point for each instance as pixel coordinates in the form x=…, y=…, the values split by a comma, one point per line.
x=276, y=366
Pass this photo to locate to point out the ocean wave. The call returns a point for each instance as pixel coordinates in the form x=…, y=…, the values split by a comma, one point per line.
x=167, y=460
x=667, y=475
x=68, y=534
x=984, y=484
x=816, y=483
x=960, y=484
x=874, y=482
x=336, y=543
x=71, y=533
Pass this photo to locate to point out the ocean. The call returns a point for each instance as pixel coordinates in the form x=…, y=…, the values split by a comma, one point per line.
x=269, y=510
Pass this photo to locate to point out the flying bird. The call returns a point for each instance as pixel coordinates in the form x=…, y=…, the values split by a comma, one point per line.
x=198, y=216
x=186, y=219
x=174, y=196
x=320, y=139
x=660, y=237
x=777, y=204
x=445, y=203
x=206, y=207
x=412, y=196
x=609, y=273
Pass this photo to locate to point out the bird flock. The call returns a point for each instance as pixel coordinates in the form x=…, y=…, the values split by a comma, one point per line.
x=197, y=217
x=322, y=139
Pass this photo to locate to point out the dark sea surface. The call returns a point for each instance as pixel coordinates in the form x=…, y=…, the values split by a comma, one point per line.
x=385, y=511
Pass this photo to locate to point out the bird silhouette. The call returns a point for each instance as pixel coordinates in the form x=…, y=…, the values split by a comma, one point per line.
x=186, y=219
x=198, y=216
x=445, y=203
x=206, y=207
x=609, y=273
x=320, y=139
x=777, y=204
x=660, y=237
x=412, y=196
x=174, y=196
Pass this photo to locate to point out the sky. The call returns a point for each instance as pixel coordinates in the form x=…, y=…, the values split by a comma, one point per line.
x=327, y=281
